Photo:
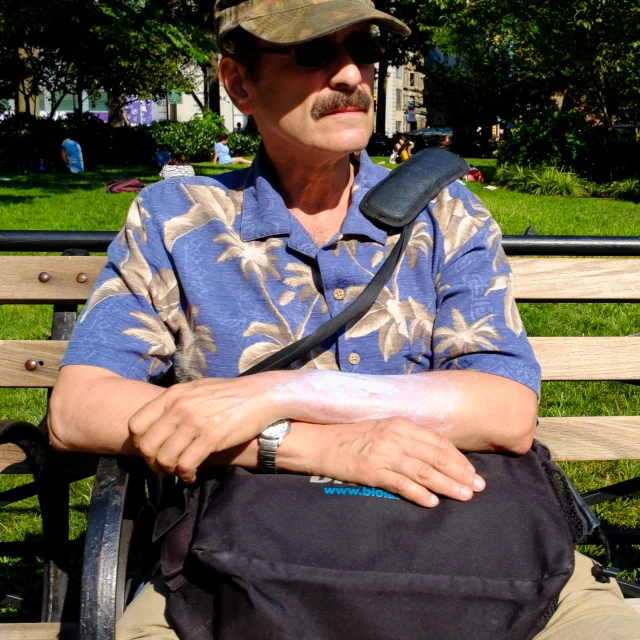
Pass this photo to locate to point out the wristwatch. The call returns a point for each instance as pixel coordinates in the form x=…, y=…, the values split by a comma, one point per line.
x=268, y=442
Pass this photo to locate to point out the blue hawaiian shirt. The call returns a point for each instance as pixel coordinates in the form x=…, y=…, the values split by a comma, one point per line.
x=211, y=276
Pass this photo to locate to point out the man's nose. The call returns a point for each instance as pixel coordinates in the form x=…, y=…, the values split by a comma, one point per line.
x=346, y=74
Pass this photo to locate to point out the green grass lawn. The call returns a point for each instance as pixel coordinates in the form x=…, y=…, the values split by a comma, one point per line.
x=64, y=201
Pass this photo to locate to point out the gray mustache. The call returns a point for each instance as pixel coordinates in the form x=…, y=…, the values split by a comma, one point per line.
x=356, y=100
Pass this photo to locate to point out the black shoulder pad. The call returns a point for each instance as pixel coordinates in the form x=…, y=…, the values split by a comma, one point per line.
x=401, y=196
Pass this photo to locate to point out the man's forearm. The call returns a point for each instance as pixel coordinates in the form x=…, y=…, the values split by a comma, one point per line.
x=90, y=410
x=477, y=411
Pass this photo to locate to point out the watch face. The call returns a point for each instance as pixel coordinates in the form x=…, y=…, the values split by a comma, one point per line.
x=277, y=430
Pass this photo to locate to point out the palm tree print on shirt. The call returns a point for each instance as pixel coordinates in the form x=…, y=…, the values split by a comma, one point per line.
x=464, y=337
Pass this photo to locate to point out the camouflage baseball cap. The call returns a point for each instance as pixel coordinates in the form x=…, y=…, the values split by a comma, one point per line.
x=296, y=21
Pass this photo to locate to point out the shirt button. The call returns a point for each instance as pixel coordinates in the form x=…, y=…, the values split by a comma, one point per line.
x=354, y=358
x=339, y=294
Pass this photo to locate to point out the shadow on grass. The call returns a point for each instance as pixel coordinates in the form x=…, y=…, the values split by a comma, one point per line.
x=11, y=199
x=68, y=183
x=22, y=576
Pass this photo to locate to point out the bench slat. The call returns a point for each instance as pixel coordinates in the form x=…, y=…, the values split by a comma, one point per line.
x=39, y=631
x=15, y=353
x=537, y=279
x=591, y=438
x=20, y=283
x=603, y=358
x=573, y=279
x=12, y=459
x=561, y=358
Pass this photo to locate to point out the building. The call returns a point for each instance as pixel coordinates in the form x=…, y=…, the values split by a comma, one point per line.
x=405, y=86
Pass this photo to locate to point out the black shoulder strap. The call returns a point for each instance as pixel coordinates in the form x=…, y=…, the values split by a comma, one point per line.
x=396, y=202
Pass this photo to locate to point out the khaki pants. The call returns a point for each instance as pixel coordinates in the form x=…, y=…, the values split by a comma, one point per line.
x=587, y=610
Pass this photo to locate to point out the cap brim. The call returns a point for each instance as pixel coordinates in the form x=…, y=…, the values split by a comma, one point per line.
x=314, y=21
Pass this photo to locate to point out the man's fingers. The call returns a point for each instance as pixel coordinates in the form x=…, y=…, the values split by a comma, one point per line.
x=150, y=443
x=431, y=437
x=174, y=446
x=149, y=414
x=443, y=461
x=406, y=488
x=429, y=477
x=195, y=454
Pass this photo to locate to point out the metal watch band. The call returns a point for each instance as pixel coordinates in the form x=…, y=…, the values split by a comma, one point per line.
x=267, y=455
x=268, y=443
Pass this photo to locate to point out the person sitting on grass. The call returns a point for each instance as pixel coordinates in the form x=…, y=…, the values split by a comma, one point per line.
x=406, y=152
x=397, y=148
x=222, y=155
x=177, y=166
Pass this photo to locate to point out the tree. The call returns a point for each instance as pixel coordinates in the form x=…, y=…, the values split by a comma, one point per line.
x=142, y=50
x=124, y=47
x=582, y=54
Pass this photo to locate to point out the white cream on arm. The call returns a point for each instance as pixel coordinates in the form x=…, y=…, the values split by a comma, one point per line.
x=333, y=397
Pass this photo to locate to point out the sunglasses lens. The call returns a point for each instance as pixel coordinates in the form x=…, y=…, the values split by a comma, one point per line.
x=365, y=51
x=318, y=53
x=314, y=54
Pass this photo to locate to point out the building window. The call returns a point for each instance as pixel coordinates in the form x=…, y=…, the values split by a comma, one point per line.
x=398, y=125
x=398, y=98
x=412, y=79
x=399, y=72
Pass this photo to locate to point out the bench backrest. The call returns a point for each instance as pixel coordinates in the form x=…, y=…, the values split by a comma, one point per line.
x=69, y=279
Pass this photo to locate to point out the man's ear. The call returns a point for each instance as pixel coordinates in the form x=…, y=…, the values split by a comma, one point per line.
x=234, y=78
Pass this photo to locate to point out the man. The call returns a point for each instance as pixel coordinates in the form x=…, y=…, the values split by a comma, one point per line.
x=71, y=155
x=213, y=276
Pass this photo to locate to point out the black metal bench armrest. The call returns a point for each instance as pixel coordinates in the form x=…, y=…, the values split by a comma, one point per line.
x=98, y=605
x=29, y=438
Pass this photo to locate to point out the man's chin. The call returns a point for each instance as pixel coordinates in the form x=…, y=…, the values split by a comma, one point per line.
x=344, y=142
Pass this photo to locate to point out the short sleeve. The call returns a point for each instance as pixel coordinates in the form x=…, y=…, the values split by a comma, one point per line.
x=131, y=317
x=477, y=324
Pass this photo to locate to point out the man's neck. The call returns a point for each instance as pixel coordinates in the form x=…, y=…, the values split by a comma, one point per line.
x=317, y=191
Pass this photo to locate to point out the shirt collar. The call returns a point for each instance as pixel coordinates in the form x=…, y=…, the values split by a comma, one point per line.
x=265, y=214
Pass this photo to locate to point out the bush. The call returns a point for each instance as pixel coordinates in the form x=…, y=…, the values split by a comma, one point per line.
x=242, y=144
x=25, y=141
x=626, y=190
x=551, y=137
x=552, y=181
x=546, y=181
x=195, y=138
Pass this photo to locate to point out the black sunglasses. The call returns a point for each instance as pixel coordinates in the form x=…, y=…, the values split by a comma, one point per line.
x=321, y=52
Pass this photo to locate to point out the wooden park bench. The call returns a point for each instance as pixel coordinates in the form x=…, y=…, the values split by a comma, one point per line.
x=65, y=281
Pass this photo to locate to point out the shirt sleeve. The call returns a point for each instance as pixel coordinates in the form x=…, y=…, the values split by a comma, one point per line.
x=477, y=324
x=134, y=311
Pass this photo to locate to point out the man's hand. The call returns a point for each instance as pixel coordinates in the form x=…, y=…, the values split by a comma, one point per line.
x=394, y=454
x=179, y=429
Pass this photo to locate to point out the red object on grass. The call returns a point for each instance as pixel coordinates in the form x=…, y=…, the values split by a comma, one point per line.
x=475, y=175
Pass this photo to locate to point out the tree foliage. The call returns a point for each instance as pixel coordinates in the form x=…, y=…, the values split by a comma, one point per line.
x=124, y=47
x=568, y=54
